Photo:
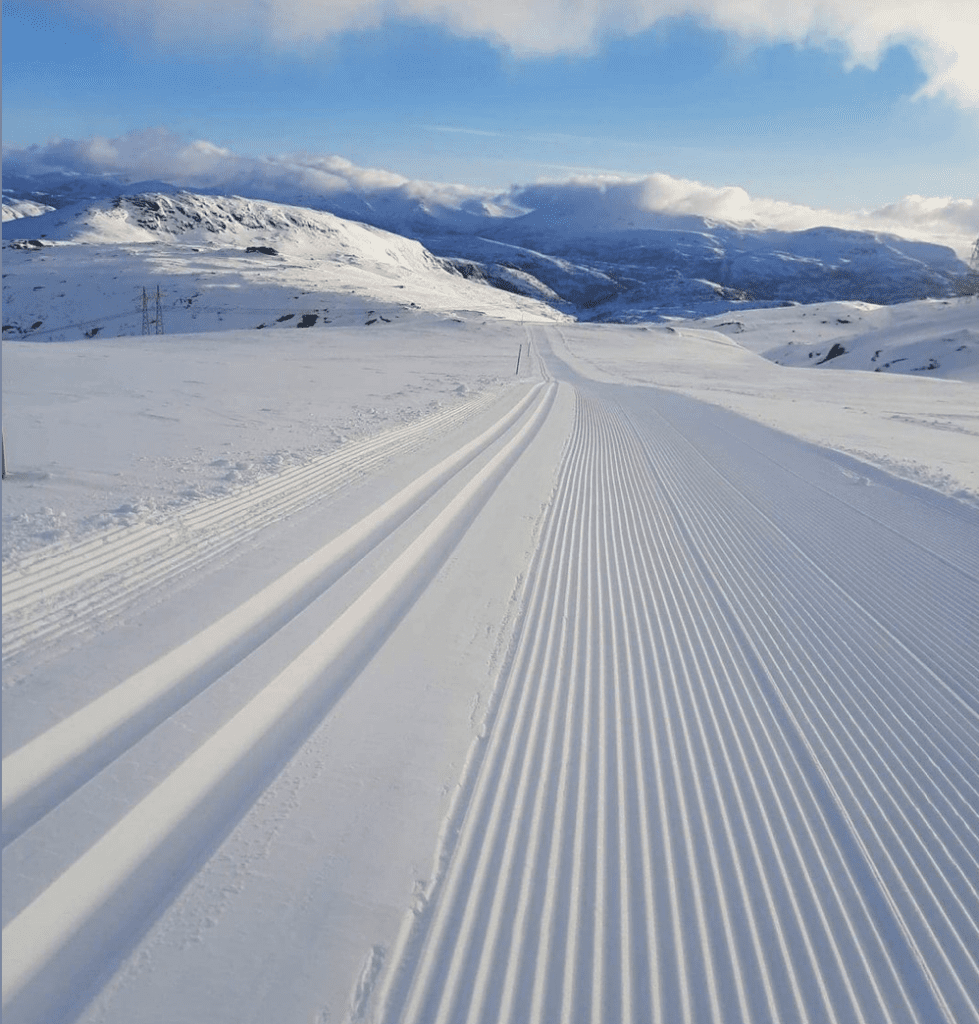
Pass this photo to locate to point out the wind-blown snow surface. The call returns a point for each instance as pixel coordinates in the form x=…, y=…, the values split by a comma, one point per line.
x=362, y=678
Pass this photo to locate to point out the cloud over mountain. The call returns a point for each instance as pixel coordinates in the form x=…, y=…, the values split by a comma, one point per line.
x=580, y=201
x=941, y=34
x=628, y=200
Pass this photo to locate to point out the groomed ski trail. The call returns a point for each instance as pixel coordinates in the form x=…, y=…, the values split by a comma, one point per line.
x=50, y=595
x=732, y=775
x=728, y=774
x=47, y=769
x=63, y=945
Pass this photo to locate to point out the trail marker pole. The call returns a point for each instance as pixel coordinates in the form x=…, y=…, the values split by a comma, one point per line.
x=519, y=354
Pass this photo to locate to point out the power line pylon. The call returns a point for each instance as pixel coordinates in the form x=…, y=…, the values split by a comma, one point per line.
x=159, y=312
x=146, y=315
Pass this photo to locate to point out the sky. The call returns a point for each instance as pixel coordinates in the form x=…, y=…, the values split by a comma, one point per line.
x=831, y=104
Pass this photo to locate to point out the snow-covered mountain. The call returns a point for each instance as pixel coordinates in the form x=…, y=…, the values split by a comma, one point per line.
x=14, y=209
x=602, y=255
x=223, y=262
x=698, y=267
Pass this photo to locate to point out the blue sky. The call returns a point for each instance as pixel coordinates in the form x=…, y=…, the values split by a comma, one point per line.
x=444, y=98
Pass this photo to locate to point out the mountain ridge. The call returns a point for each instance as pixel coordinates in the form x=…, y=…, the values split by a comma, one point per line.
x=597, y=257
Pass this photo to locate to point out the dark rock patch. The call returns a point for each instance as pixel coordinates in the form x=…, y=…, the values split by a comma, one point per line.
x=833, y=353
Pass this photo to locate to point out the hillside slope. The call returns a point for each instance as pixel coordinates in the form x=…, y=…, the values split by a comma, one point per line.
x=223, y=262
x=934, y=337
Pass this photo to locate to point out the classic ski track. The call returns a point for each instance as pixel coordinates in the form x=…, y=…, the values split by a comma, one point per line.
x=721, y=782
x=89, y=916
x=48, y=768
x=51, y=594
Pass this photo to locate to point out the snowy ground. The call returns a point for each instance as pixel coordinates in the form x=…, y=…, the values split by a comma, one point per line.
x=933, y=337
x=350, y=675
x=119, y=431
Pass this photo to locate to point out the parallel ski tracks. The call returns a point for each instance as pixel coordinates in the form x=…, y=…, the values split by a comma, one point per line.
x=54, y=593
x=723, y=783
x=80, y=925
x=730, y=777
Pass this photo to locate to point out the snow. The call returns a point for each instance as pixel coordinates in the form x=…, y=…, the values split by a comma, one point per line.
x=14, y=209
x=595, y=250
x=106, y=433
x=81, y=271
x=939, y=337
x=351, y=675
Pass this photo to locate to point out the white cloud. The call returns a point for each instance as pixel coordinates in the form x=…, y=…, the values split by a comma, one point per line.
x=603, y=199
x=624, y=199
x=159, y=154
x=148, y=153
x=942, y=34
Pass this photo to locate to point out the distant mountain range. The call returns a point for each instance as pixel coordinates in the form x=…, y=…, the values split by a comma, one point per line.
x=588, y=257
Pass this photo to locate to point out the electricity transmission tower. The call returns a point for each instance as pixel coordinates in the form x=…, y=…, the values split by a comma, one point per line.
x=972, y=279
x=158, y=320
x=159, y=312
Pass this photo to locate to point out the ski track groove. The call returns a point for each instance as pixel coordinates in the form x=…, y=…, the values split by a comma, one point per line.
x=86, y=920
x=844, y=724
x=872, y=802
x=723, y=783
x=48, y=768
x=46, y=595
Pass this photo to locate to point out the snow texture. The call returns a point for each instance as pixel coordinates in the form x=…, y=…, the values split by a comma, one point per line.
x=424, y=665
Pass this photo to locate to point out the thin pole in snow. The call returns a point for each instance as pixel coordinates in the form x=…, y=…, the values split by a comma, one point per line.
x=519, y=353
